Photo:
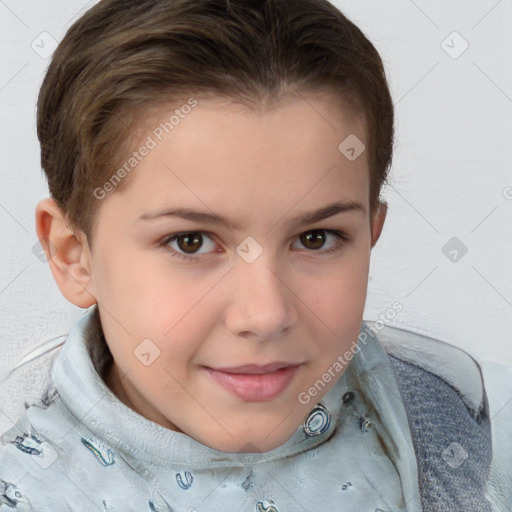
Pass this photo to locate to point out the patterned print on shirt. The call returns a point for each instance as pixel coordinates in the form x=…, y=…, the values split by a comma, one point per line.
x=104, y=455
x=266, y=508
x=364, y=423
x=12, y=499
x=184, y=479
x=154, y=509
x=28, y=443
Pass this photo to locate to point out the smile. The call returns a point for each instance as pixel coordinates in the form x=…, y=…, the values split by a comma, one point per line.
x=252, y=386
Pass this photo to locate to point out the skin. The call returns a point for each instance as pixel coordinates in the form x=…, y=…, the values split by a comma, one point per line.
x=293, y=303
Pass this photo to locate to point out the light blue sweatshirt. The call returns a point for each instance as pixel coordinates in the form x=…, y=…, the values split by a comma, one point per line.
x=81, y=449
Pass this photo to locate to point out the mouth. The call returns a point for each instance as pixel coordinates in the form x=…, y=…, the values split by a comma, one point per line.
x=255, y=369
x=255, y=383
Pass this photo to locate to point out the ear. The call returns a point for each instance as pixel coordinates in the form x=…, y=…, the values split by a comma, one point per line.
x=68, y=255
x=378, y=221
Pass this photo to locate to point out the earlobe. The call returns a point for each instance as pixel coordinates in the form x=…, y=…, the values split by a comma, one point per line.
x=67, y=255
x=378, y=221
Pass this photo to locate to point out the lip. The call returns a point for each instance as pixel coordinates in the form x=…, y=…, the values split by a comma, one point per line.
x=255, y=383
x=256, y=369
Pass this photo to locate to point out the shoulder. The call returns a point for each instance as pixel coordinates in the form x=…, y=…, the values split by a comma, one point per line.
x=21, y=475
x=35, y=462
x=498, y=383
x=453, y=365
x=442, y=383
x=49, y=460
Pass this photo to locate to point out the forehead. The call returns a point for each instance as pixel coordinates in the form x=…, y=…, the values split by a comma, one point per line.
x=224, y=153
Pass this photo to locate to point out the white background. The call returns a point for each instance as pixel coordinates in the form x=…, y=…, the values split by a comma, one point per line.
x=451, y=176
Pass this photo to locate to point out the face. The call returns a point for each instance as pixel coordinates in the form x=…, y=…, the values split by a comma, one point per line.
x=200, y=297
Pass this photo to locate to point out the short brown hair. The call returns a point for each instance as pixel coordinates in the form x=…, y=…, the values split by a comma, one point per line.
x=125, y=56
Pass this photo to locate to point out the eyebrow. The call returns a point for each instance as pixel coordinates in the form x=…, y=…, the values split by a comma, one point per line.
x=213, y=218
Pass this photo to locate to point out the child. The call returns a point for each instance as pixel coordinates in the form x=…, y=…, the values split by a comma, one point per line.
x=236, y=375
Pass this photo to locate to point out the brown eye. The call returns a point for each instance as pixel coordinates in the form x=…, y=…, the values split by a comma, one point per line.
x=313, y=239
x=189, y=242
x=316, y=239
x=187, y=245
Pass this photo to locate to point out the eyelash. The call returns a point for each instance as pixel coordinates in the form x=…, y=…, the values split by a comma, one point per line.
x=340, y=235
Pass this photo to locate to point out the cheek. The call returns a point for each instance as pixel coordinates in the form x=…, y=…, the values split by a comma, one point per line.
x=149, y=291
x=342, y=289
x=117, y=273
x=179, y=305
x=337, y=302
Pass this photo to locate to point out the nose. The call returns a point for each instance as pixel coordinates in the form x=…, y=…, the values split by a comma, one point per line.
x=263, y=304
